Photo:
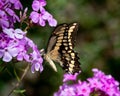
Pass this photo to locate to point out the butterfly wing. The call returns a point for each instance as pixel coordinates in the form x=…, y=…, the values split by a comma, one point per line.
x=60, y=47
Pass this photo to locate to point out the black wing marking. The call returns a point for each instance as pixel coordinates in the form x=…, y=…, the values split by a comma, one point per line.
x=53, y=38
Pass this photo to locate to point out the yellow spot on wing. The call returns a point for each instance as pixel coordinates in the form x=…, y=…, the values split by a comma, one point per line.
x=73, y=54
x=59, y=41
x=71, y=65
x=72, y=61
x=72, y=27
x=60, y=37
x=58, y=44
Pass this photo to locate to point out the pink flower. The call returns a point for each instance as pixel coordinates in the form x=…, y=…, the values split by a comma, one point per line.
x=17, y=33
x=8, y=13
x=8, y=52
x=100, y=84
x=39, y=15
x=83, y=89
x=38, y=5
x=36, y=61
x=68, y=77
x=16, y=44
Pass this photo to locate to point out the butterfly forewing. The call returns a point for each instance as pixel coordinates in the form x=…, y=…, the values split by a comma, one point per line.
x=60, y=47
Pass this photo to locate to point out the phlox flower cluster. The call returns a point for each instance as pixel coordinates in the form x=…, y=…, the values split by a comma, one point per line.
x=14, y=44
x=98, y=85
x=7, y=12
x=40, y=15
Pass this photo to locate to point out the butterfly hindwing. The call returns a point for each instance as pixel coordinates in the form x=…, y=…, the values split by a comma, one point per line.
x=60, y=47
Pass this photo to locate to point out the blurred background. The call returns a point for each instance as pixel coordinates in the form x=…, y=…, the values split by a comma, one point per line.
x=98, y=45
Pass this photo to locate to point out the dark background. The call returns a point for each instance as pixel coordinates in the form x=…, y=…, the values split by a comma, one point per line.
x=98, y=45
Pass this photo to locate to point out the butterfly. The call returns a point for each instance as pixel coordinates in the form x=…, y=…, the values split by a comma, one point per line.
x=60, y=48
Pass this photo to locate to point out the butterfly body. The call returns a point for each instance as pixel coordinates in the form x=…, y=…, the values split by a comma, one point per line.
x=60, y=48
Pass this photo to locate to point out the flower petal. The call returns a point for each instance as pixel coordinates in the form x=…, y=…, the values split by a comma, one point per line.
x=37, y=67
x=34, y=16
x=33, y=68
x=36, y=5
x=9, y=32
x=19, y=34
x=41, y=21
x=52, y=22
x=7, y=57
x=13, y=51
x=20, y=57
x=1, y=53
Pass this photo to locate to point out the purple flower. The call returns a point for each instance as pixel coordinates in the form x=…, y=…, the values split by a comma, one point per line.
x=8, y=52
x=3, y=40
x=12, y=16
x=3, y=19
x=52, y=21
x=37, y=18
x=82, y=89
x=39, y=15
x=10, y=41
x=110, y=86
x=23, y=48
x=8, y=12
x=16, y=44
x=94, y=83
x=36, y=61
x=8, y=49
x=22, y=55
x=47, y=16
x=98, y=85
x=38, y=5
x=66, y=91
x=68, y=77
x=17, y=4
x=14, y=4
x=41, y=18
x=17, y=33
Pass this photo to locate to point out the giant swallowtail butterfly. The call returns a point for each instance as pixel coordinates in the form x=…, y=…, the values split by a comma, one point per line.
x=60, y=48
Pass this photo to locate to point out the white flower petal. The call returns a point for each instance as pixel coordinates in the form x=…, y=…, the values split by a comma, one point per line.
x=9, y=32
x=13, y=51
x=19, y=36
x=19, y=33
x=7, y=57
